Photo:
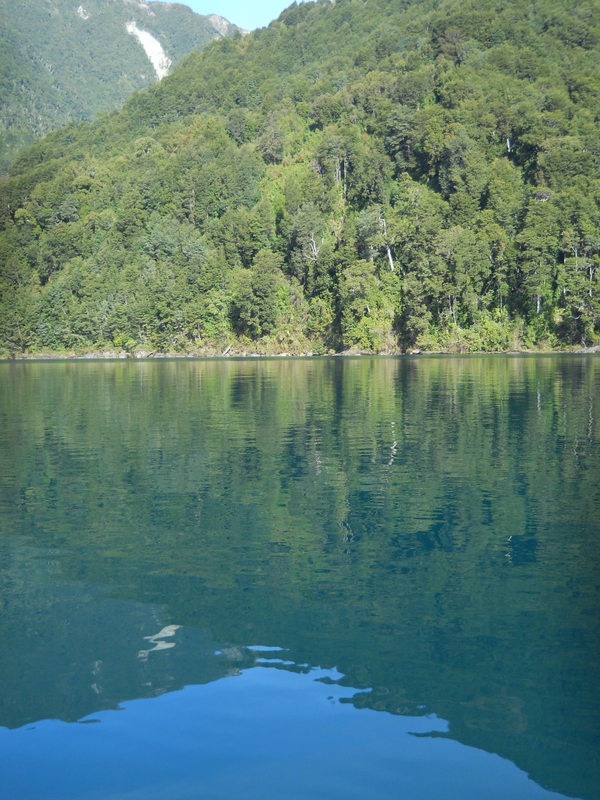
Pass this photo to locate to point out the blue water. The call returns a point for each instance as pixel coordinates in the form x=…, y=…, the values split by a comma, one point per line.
x=303, y=578
x=265, y=732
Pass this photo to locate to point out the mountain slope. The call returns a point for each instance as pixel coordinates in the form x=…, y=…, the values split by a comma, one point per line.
x=66, y=60
x=365, y=175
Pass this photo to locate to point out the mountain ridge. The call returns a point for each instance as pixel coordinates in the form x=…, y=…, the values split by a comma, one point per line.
x=66, y=60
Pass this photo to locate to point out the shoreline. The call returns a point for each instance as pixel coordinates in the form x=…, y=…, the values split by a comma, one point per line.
x=228, y=354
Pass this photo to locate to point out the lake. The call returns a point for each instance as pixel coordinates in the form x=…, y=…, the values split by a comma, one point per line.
x=324, y=578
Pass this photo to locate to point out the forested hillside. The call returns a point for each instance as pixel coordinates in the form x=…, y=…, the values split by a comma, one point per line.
x=66, y=60
x=375, y=175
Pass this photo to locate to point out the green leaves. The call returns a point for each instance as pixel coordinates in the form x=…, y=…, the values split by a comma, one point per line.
x=255, y=299
x=367, y=309
x=59, y=67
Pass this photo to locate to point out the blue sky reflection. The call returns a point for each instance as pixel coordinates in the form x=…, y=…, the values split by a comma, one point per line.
x=264, y=732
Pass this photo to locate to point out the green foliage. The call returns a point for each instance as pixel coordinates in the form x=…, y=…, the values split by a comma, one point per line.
x=375, y=176
x=255, y=303
x=58, y=64
x=367, y=310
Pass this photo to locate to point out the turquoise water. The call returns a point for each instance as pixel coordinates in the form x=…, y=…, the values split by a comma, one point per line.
x=300, y=578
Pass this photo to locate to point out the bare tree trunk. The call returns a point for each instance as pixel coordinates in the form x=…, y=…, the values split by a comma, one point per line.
x=383, y=224
x=390, y=257
x=314, y=248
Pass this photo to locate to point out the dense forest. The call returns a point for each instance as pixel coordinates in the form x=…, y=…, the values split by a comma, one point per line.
x=63, y=60
x=370, y=175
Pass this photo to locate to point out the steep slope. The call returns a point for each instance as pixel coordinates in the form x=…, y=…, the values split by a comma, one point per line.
x=66, y=60
x=366, y=175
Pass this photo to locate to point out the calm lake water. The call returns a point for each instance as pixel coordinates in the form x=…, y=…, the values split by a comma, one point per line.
x=337, y=578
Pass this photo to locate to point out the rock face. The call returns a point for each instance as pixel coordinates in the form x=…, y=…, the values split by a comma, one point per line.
x=220, y=24
x=153, y=49
x=64, y=61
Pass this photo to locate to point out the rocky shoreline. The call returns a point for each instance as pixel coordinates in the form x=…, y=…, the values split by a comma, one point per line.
x=229, y=353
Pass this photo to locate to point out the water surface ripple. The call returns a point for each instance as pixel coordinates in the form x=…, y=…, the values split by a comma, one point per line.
x=325, y=578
